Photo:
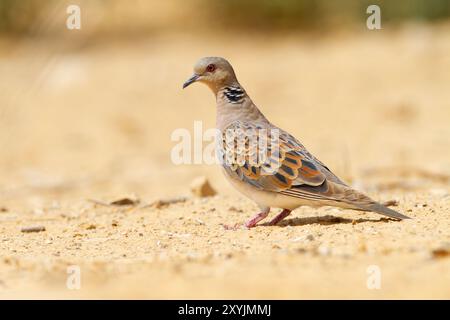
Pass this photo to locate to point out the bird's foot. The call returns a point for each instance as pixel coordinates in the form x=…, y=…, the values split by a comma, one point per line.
x=283, y=214
x=250, y=223
x=232, y=227
x=254, y=221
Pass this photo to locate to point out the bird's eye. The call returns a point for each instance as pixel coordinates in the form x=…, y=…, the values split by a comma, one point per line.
x=210, y=68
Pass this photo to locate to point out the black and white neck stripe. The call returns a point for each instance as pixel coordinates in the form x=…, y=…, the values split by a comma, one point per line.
x=234, y=94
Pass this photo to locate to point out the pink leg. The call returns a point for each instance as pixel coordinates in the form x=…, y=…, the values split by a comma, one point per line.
x=254, y=221
x=250, y=223
x=283, y=214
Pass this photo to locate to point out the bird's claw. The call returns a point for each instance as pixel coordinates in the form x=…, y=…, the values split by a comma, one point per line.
x=234, y=227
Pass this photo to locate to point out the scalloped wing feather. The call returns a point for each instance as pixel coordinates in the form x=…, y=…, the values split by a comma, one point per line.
x=266, y=159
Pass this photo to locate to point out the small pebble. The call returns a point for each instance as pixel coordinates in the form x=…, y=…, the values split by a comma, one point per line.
x=32, y=229
x=441, y=252
x=201, y=187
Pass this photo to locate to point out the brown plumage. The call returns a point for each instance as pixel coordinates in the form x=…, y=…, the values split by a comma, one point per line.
x=265, y=162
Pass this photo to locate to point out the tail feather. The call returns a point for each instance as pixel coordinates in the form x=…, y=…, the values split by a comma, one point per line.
x=339, y=195
x=379, y=208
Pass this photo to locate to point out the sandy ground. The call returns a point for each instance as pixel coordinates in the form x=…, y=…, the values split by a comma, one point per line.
x=94, y=123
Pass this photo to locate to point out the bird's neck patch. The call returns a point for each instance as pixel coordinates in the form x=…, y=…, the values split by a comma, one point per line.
x=234, y=94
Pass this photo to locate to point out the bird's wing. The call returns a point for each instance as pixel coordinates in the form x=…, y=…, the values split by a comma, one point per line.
x=267, y=158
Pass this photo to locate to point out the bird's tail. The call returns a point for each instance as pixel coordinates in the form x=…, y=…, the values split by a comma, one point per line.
x=379, y=208
x=360, y=201
x=341, y=195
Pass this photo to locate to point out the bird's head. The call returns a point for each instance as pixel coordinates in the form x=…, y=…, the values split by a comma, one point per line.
x=214, y=72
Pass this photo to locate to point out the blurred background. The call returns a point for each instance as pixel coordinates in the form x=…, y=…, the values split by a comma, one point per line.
x=88, y=115
x=91, y=111
x=143, y=18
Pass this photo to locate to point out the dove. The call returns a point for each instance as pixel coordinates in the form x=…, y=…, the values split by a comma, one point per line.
x=280, y=174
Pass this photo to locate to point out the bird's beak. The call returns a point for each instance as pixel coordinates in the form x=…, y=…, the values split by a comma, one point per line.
x=191, y=80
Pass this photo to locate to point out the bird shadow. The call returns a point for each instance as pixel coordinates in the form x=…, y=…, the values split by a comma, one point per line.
x=325, y=220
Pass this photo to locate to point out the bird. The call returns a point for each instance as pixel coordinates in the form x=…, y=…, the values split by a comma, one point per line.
x=282, y=174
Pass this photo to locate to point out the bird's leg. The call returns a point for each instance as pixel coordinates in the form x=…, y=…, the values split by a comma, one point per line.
x=260, y=216
x=283, y=214
x=252, y=222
